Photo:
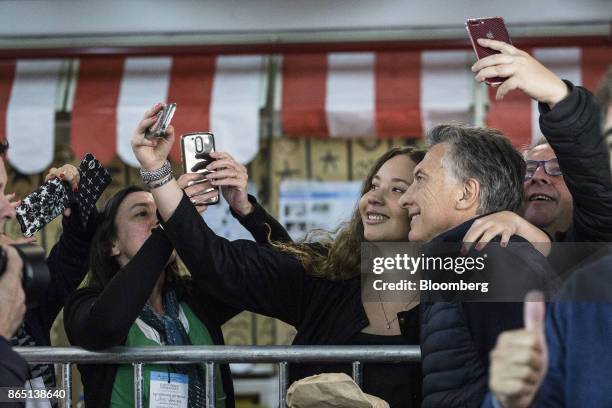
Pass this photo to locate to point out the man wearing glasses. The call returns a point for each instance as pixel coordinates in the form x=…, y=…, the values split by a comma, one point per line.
x=568, y=187
x=548, y=202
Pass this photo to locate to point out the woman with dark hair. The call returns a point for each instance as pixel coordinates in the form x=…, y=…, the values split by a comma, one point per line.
x=135, y=296
x=314, y=287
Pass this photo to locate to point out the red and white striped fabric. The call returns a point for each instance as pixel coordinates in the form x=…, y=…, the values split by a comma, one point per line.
x=387, y=94
x=391, y=94
x=383, y=94
x=221, y=94
x=28, y=103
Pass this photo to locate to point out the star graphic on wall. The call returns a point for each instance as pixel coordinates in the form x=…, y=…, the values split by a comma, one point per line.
x=329, y=160
x=287, y=171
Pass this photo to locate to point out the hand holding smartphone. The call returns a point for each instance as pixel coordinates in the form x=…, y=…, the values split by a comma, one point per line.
x=195, y=156
x=164, y=117
x=55, y=195
x=492, y=28
x=43, y=205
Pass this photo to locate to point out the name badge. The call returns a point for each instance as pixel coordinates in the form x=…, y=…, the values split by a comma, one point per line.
x=36, y=384
x=168, y=390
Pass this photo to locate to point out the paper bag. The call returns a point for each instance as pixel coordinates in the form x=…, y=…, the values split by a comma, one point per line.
x=330, y=390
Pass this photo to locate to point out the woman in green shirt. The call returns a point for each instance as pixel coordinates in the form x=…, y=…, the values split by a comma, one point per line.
x=135, y=296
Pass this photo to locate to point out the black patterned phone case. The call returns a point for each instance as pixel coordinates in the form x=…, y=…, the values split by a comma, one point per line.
x=43, y=205
x=94, y=180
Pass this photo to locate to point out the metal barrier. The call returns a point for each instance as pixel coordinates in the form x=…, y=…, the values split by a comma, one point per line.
x=212, y=355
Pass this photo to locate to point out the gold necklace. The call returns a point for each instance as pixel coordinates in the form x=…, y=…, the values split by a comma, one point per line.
x=390, y=322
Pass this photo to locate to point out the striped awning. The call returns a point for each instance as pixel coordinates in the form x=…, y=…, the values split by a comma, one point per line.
x=222, y=94
x=325, y=95
x=390, y=94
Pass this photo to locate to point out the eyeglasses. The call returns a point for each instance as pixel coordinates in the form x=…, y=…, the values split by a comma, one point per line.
x=551, y=167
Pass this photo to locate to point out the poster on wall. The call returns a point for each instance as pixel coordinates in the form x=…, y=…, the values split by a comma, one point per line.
x=220, y=219
x=305, y=205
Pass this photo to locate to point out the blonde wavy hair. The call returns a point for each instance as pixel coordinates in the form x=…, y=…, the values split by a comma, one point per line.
x=336, y=255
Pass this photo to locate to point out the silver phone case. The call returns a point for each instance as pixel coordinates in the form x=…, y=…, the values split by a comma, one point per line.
x=164, y=117
x=189, y=149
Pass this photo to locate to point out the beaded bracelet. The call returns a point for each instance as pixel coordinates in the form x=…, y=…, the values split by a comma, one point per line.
x=151, y=176
x=161, y=182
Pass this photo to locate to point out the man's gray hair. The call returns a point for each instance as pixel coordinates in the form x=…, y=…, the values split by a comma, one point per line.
x=485, y=155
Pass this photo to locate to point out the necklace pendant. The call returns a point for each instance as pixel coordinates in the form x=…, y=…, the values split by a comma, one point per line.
x=388, y=326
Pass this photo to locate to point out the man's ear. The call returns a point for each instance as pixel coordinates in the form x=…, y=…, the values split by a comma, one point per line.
x=469, y=195
x=115, y=250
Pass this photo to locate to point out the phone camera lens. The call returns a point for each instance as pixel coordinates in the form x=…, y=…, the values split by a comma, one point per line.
x=199, y=145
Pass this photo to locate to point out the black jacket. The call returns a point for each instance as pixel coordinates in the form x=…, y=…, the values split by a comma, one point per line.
x=456, y=337
x=266, y=281
x=96, y=318
x=573, y=130
x=68, y=264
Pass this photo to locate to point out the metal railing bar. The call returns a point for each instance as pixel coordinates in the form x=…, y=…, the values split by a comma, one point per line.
x=223, y=354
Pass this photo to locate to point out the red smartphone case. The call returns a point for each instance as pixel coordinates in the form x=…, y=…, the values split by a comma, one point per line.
x=492, y=28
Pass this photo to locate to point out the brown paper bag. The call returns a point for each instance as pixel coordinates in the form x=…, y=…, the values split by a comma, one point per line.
x=330, y=390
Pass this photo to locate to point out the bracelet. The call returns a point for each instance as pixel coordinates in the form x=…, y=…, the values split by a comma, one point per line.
x=159, y=183
x=151, y=176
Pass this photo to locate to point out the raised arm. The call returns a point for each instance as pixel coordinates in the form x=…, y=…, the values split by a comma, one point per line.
x=570, y=119
x=68, y=260
x=97, y=318
x=573, y=130
x=243, y=273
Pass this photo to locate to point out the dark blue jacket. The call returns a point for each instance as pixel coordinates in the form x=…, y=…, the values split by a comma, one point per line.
x=457, y=336
x=579, y=337
x=578, y=333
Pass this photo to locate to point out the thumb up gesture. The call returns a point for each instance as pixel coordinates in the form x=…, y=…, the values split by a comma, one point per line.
x=519, y=360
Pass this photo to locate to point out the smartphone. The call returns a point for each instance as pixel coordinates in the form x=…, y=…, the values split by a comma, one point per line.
x=195, y=148
x=164, y=116
x=492, y=28
x=94, y=180
x=43, y=205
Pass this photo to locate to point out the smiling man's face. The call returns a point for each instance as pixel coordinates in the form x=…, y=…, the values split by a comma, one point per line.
x=432, y=198
x=547, y=202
